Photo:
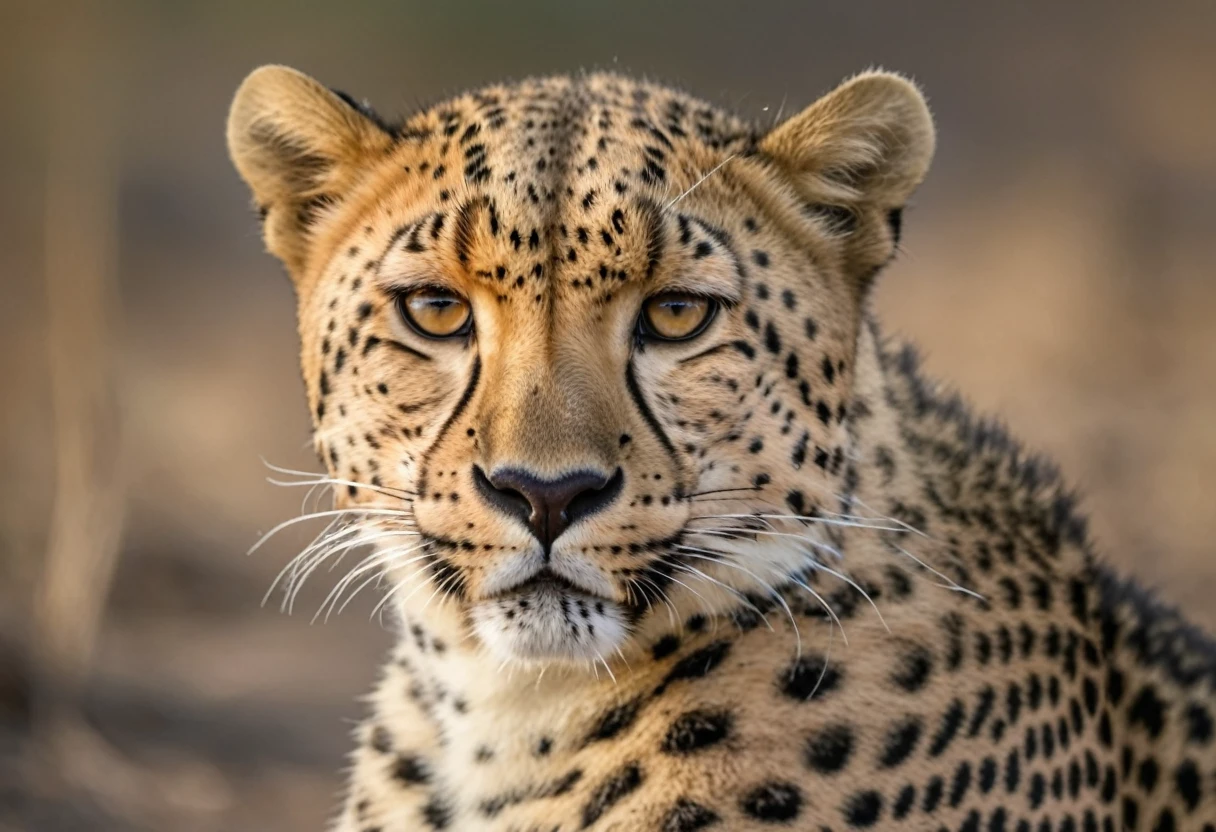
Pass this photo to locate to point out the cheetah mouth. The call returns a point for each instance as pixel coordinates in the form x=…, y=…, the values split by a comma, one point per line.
x=545, y=582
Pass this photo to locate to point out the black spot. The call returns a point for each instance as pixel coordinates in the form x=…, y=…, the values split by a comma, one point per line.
x=665, y=646
x=915, y=666
x=1198, y=724
x=562, y=785
x=687, y=816
x=1013, y=701
x=1188, y=782
x=381, y=740
x=798, y=455
x=987, y=775
x=608, y=793
x=773, y=802
x=900, y=742
x=810, y=675
x=948, y=728
x=411, y=769
x=1013, y=771
x=863, y=809
x=828, y=750
x=614, y=721
x=745, y=348
x=982, y=711
x=697, y=664
x=904, y=802
x=933, y=794
x=1148, y=773
x=1131, y=812
x=696, y=730
x=437, y=813
x=962, y=780
x=772, y=341
x=1090, y=691
x=1148, y=710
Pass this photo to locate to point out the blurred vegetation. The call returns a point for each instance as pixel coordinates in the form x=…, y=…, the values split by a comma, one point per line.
x=1058, y=268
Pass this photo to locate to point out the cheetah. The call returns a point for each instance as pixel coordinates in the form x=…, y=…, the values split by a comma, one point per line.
x=674, y=538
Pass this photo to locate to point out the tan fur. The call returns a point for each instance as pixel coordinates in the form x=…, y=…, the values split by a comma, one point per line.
x=825, y=597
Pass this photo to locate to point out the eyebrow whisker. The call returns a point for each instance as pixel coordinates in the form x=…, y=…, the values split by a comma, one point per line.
x=696, y=184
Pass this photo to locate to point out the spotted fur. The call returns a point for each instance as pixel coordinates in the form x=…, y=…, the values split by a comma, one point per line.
x=824, y=597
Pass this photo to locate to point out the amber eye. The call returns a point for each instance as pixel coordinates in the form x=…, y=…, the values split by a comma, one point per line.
x=435, y=312
x=676, y=316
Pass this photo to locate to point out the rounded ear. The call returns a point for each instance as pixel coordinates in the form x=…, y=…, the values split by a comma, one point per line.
x=298, y=146
x=869, y=140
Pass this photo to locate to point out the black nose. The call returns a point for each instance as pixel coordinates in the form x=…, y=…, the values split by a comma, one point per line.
x=549, y=507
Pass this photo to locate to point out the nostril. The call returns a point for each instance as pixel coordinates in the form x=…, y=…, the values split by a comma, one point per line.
x=592, y=500
x=507, y=500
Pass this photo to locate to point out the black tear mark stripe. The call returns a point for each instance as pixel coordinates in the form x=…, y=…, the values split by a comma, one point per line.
x=635, y=393
x=465, y=397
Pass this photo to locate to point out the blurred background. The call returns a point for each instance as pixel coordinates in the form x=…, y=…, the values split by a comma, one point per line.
x=1058, y=268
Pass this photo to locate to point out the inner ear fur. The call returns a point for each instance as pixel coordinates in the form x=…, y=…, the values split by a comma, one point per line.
x=299, y=146
x=854, y=157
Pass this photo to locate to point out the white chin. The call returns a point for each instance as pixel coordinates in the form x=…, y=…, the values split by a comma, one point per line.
x=546, y=623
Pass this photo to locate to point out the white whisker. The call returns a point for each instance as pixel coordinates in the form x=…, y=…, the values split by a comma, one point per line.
x=697, y=184
x=720, y=559
x=332, y=513
x=819, y=567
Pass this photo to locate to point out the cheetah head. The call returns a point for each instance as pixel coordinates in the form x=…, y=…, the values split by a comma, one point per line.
x=580, y=351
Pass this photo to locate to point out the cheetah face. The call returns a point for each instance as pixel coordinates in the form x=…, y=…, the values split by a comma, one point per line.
x=580, y=351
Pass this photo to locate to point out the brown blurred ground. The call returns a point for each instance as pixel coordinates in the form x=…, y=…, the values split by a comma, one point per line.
x=1058, y=269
